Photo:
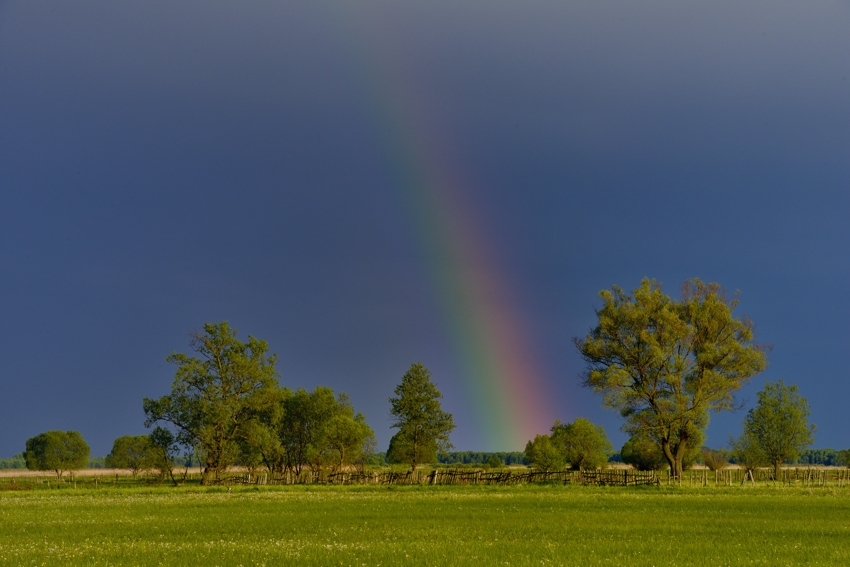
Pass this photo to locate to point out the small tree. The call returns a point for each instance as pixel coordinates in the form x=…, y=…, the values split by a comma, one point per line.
x=714, y=459
x=746, y=452
x=163, y=449
x=318, y=429
x=421, y=422
x=779, y=423
x=494, y=462
x=261, y=442
x=57, y=451
x=347, y=438
x=400, y=450
x=643, y=454
x=583, y=445
x=131, y=452
x=543, y=454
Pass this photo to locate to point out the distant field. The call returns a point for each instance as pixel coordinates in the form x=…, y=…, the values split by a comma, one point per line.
x=520, y=525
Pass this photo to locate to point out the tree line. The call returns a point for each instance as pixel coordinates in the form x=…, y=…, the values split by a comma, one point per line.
x=663, y=364
x=227, y=407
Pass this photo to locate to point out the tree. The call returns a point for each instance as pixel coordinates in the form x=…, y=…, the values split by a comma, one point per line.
x=302, y=429
x=746, y=452
x=714, y=459
x=57, y=451
x=131, y=452
x=261, y=441
x=163, y=448
x=400, y=450
x=583, y=445
x=779, y=423
x=347, y=436
x=216, y=394
x=543, y=454
x=317, y=429
x=643, y=453
x=664, y=364
x=420, y=420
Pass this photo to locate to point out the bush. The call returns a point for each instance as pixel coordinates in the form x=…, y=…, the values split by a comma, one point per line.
x=643, y=454
x=15, y=462
x=714, y=459
x=584, y=445
x=543, y=454
x=494, y=462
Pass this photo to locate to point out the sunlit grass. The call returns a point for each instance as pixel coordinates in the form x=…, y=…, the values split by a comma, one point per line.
x=521, y=525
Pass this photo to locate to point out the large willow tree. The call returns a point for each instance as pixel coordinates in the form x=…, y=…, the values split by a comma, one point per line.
x=665, y=363
x=218, y=394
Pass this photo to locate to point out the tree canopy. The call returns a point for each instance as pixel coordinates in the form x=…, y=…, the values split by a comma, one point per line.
x=746, y=451
x=714, y=459
x=664, y=363
x=422, y=424
x=216, y=394
x=131, y=452
x=583, y=444
x=57, y=451
x=542, y=454
x=643, y=453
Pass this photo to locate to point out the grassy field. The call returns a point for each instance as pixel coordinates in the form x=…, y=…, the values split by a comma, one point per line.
x=519, y=525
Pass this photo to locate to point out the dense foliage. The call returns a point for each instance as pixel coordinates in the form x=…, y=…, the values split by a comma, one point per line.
x=580, y=444
x=779, y=424
x=664, y=363
x=644, y=453
x=544, y=455
x=423, y=427
x=714, y=459
x=14, y=462
x=57, y=451
x=480, y=458
x=217, y=394
x=134, y=453
x=826, y=457
x=227, y=407
x=584, y=445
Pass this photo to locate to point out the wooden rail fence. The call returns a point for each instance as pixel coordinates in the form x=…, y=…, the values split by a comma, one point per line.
x=616, y=477
x=808, y=477
x=803, y=477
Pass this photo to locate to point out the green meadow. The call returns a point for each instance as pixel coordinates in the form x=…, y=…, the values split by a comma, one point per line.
x=443, y=525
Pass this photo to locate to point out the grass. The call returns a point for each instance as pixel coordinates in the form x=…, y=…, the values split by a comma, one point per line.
x=519, y=525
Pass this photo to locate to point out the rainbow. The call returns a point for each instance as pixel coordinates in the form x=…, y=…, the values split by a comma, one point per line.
x=490, y=336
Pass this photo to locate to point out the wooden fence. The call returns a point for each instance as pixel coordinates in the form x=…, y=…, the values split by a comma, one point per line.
x=618, y=477
x=809, y=477
x=805, y=477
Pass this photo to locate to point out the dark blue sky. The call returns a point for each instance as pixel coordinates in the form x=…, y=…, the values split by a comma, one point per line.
x=166, y=164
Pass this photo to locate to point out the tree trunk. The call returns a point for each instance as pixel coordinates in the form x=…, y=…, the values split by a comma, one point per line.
x=671, y=458
x=415, y=452
x=777, y=469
